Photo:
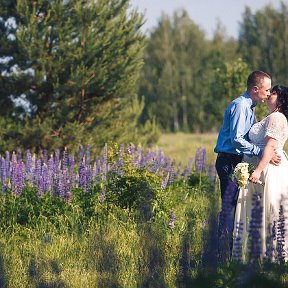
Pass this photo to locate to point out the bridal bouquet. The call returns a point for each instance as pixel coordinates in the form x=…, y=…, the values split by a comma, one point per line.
x=242, y=173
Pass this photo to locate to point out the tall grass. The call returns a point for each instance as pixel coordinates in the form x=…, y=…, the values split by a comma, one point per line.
x=145, y=232
x=165, y=237
x=115, y=251
x=182, y=146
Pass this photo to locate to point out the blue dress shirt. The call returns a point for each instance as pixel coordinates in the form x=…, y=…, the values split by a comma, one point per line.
x=238, y=119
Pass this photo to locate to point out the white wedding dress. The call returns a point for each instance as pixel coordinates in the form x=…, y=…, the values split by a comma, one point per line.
x=260, y=230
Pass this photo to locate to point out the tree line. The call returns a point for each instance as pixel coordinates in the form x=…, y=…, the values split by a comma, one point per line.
x=82, y=72
x=188, y=80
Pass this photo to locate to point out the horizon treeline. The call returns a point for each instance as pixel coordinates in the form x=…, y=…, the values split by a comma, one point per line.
x=188, y=80
x=77, y=73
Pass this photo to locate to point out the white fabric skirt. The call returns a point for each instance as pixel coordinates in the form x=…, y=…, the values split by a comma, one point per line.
x=261, y=222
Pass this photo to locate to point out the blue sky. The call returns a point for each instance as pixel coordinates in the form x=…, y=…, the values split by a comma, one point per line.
x=204, y=13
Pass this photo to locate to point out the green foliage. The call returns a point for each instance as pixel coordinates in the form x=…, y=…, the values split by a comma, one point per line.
x=26, y=209
x=180, y=79
x=262, y=40
x=78, y=65
x=178, y=72
x=200, y=181
x=47, y=241
x=126, y=240
x=230, y=81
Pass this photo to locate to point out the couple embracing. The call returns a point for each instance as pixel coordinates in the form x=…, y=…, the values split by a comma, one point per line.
x=252, y=218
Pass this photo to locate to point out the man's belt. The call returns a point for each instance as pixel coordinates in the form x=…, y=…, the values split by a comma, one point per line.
x=231, y=156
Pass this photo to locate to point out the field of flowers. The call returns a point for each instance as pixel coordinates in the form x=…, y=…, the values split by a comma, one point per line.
x=128, y=217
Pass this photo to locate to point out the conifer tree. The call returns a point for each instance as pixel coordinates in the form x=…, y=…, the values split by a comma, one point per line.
x=77, y=65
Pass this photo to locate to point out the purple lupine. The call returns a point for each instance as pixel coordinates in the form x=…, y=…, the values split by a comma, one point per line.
x=140, y=157
x=212, y=173
x=44, y=156
x=178, y=170
x=19, y=155
x=7, y=164
x=53, y=164
x=37, y=172
x=44, y=184
x=171, y=175
x=3, y=174
x=200, y=158
x=88, y=155
x=130, y=149
x=172, y=218
x=255, y=227
x=280, y=236
x=81, y=175
x=102, y=195
x=17, y=177
x=188, y=169
x=237, y=243
x=104, y=154
x=13, y=177
x=57, y=162
x=161, y=158
x=119, y=166
x=270, y=240
x=13, y=157
x=96, y=168
x=68, y=197
x=28, y=166
x=80, y=153
x=65, y=159
x=72, y=175
x=62, y=183
x=212, y=176
x=165, y=181
x=88, y=178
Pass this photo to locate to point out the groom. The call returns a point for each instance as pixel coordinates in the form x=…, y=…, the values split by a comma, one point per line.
x=232, y=144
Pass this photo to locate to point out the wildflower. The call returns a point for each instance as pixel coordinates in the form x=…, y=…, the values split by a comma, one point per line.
x=200, y=160
x=102, y=195
x=165, y=181
x=172, y=218
x=68, y=197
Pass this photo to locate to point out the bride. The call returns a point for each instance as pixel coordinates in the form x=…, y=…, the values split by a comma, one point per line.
x=260, y=230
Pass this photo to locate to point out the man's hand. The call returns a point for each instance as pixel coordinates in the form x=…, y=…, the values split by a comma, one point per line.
x=276, y=159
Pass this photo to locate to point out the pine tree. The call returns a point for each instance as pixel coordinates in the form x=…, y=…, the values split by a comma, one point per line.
x=79, y=62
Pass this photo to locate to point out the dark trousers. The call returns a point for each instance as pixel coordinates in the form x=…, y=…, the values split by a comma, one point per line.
x=225, y=165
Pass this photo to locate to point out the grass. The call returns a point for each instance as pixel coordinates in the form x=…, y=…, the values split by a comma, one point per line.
x=182, y=146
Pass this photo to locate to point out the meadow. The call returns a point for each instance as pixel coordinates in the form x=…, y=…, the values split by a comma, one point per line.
x=128, y=217
x=183, y=146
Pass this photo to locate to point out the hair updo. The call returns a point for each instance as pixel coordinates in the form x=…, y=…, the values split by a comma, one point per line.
x=282, y=99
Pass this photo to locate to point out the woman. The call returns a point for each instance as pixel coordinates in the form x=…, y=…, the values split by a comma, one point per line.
x=259, y=227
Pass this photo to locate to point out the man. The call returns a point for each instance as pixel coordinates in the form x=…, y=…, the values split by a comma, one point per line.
x=232, y=144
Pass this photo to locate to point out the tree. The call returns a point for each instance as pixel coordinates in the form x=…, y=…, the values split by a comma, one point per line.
x=229, y=83
x=178, y=73
x=79, y=63
x=171, y=73
x=263, y=41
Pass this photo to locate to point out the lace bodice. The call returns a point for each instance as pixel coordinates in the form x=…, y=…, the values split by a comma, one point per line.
x=274, y=125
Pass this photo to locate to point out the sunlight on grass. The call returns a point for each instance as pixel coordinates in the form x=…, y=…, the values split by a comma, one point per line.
x=182, y=146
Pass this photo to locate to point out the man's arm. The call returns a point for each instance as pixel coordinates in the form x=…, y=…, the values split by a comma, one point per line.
x=239, y=129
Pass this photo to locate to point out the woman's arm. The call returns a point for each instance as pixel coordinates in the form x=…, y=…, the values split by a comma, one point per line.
x=268, y=154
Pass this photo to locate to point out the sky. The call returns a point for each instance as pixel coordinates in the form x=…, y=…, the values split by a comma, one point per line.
x=205, y=13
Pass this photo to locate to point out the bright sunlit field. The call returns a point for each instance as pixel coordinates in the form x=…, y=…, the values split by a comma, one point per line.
x=182, y=146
